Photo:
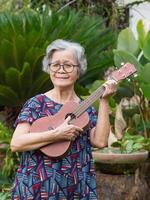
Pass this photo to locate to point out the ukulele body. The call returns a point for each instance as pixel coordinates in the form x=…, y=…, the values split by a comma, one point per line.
x=59, y=149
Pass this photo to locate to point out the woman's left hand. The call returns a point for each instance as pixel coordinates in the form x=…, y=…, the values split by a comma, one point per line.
x=110, y=88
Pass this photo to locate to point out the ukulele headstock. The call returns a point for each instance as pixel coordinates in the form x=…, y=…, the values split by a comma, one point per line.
x=123, y=72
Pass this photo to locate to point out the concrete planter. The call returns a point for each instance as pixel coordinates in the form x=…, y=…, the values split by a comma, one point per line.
x=118, y=163
x=122, y=176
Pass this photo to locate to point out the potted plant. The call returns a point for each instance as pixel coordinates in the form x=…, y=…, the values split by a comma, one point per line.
x=124, y=156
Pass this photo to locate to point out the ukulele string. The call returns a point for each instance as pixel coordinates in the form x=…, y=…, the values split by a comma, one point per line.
x=89, y=101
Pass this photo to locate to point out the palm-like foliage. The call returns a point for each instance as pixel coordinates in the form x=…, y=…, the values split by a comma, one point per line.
x=23, y=38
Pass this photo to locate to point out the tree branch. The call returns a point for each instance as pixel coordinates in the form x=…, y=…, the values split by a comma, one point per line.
x=71, y=2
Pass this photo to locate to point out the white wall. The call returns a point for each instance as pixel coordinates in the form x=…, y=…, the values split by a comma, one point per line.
x=142, y=11
x=124, y=2
x=137, y=12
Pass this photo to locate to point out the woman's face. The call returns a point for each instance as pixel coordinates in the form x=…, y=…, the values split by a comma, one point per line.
x=64, y=69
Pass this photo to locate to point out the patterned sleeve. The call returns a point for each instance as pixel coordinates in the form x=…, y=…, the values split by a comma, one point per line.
x=93, y=117
x=29, y=112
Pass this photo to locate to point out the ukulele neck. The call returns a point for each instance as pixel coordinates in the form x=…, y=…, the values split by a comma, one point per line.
x=120, y=74
x=89, y=101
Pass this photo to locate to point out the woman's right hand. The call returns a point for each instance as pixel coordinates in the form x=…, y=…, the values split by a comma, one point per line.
x=68, y=131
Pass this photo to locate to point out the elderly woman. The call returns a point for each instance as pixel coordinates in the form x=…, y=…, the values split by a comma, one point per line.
x=71, y=177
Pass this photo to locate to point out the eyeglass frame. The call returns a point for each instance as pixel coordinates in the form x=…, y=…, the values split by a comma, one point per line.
x=62, y=65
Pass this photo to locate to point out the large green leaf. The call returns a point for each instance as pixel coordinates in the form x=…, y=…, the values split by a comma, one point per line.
x=146, y=48
x=146, y=90
x=124, y=57
x=127, y=41
x=145, y=73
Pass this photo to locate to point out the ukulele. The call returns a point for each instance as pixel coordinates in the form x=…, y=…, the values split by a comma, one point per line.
x=77, y=113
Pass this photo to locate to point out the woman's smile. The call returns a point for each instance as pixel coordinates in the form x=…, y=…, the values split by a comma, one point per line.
x=61, y=77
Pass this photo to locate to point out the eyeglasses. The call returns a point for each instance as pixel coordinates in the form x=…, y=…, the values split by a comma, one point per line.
x=67, y=67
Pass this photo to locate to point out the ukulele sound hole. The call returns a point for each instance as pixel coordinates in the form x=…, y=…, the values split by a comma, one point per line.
x=71, y=115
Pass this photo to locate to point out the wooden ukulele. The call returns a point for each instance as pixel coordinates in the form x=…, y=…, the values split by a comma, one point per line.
x=78, y=114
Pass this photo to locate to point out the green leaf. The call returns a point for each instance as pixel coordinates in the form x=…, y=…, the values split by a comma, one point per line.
x=141, y=34
x=137, y=146
x=146, y=48
x=5, y=134
x=29, y=58
x=146, y=90
x=6, y=54
x=2, y=75
x=5, y=195
x=144, y=74
x=82, y=91
x=95, y=85
x=127, y=41
x=19, y=49
x=116, y=144
x=124, y=57
x=135, y=138
x=129, y=146
x=12, y=78
x=124, y=89
x=26, y=79
x=41, y=83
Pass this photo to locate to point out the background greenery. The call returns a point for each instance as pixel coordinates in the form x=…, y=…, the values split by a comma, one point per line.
x=24, y=38
x=27, y=27
x=137, y=52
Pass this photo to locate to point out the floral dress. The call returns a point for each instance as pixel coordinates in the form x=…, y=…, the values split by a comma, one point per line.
x=40, y=178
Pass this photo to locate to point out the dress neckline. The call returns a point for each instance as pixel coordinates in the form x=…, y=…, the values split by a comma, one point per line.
x=56, y=101
x=51, y=99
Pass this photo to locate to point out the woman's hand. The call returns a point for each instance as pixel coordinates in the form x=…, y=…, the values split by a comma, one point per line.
x=110, y=88
x=68, y=131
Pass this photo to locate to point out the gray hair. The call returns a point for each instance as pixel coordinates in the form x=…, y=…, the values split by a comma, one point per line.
x=63, y=45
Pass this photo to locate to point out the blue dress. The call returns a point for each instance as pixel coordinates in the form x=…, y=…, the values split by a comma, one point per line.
x=40, y=178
